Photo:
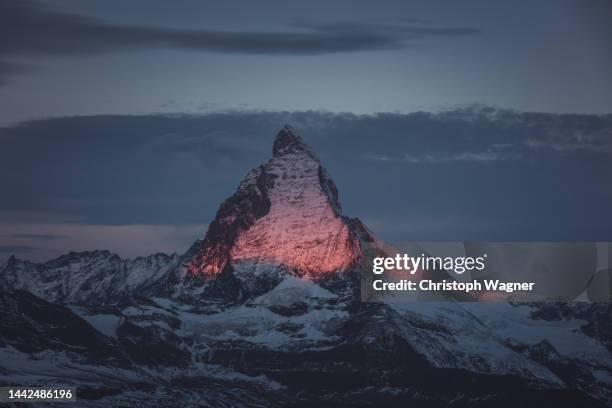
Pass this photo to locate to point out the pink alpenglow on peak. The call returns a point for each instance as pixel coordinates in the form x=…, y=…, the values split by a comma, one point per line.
x=285, y=212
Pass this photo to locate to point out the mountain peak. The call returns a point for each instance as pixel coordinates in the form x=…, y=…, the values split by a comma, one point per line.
x=12, y=261
x=288, y=142
x=284, y=213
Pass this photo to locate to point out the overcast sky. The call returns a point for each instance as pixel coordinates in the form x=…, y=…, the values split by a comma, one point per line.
x=67, y=57
x=131, y=178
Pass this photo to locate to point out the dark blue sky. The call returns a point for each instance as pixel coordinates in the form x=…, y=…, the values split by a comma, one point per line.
x=125, y=124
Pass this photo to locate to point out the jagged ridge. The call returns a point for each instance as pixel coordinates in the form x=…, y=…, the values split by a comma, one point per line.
x=90, y=277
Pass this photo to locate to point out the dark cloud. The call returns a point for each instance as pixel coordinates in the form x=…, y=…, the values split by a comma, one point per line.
x=28, y=27
x=31, y=28
x=8, y=69
x=210, y=148
x=476, y=168
x=400, y=30
x=488, y=155
x=17, y=249
x=41, y=237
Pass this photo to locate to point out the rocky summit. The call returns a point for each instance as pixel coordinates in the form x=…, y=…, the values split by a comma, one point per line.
x=285, y=213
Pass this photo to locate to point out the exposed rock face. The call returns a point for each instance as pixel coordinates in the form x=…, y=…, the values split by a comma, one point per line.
x=30, y=324
x=285, y=213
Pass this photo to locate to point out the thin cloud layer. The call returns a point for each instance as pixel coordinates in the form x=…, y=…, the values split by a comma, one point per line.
x=42, y=237
x=8, y=69
x=30, y=28
x=16, y=249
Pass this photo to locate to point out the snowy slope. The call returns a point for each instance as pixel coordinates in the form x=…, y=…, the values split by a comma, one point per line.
x=93, y=278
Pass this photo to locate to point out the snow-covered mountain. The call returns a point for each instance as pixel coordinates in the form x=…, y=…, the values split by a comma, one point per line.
x=93, y=278
x=285, y=219
x=285, y=212
x=265, y=311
